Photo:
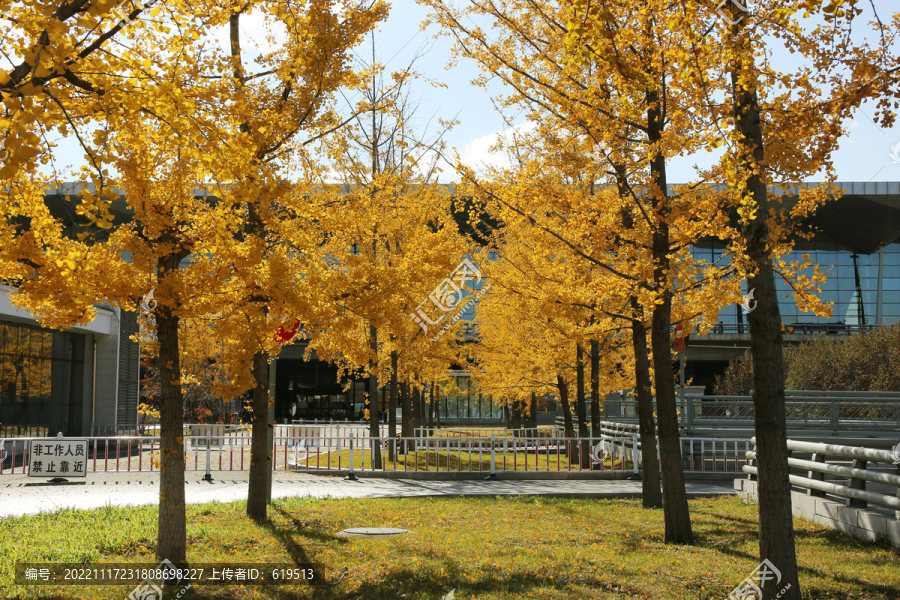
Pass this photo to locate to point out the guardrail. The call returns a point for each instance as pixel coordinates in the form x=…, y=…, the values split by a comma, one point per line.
x=860, y=474
x=140, y=453
x=863, y=413
x=305, y=449
x=805, y=328
x=222, y=430
x=806, y=411
x=475, y=455
x=500, y=432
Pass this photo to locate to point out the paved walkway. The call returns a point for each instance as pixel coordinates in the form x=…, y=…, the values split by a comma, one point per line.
x=21, y=495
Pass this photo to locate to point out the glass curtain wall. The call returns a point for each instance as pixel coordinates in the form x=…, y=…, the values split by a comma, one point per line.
x=852, y=285
x=469, y=403
x=41, y=381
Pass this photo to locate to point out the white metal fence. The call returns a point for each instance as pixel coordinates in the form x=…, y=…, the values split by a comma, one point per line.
x=860, y=475
x=320, y=449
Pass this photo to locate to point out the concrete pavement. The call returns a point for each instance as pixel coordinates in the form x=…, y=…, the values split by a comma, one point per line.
x=20, y=495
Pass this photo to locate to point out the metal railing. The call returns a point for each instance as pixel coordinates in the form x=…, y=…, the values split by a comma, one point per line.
x=302, y=448
x=488, y=455
x=825, y=473
x=201, y=452
x=819, y=410
x=500, y=432
x=799, y=328
x=866, y=413
x=220, y=430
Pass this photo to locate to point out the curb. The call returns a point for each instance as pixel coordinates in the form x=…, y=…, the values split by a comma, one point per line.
x=510, y=475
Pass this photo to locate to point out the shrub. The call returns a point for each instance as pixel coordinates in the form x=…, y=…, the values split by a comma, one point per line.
x=866, y=362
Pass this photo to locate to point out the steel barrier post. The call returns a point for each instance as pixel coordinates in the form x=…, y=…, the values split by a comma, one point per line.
x=493, y=475
x=634, y=453
x=208, y=476
x=351, y=476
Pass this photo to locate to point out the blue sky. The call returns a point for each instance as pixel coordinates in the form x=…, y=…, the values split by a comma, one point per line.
x=864, y=154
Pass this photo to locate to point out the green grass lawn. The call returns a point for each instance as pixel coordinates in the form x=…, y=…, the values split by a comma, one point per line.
x=463, y=460
x=485, y=547
x=488, y=430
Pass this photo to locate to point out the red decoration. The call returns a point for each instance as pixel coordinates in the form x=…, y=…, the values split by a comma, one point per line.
x=679, y=338
x=285, y=335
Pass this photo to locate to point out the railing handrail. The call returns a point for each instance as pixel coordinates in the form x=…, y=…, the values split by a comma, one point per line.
x=857, y=452
x=858, y=473
x=308, y=445
x=885, y=397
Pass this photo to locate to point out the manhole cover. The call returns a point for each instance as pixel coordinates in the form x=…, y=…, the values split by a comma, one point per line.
x=371, y=532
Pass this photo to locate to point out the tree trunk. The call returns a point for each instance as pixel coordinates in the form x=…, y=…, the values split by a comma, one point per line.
x=564, y=402
x=515, y=423
x=571, y=451
x=677, y=517
x=531, y=421
x=595, y=389
x=422, y=407
x=171, y=538
x=776, y=525
x=431, y=408
x=260, y=454
x=392, y=406
x=507, y=419
x=437, y=410
x=581, y=408
x=652, y=494
x=675, y=507
x=374, y=421
x=416, y=415
x=406, y=418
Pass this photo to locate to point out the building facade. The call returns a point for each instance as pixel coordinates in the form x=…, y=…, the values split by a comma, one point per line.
x=856, y=243
x=79, y=381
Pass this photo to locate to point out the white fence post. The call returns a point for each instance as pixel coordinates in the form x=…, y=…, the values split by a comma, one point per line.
x=208, y=476
x=493, y=475
x=351, y=476
x=634, y=452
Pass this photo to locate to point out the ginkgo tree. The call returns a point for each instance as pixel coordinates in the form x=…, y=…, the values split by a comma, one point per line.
x=797, y=116
x=628, y=103
x=270, y=117
x=230, y=128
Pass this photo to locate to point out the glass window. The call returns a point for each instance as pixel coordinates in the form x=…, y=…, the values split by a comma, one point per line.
x=463, y=384
x=452, y=406
x=485, y=403
x=41, y=381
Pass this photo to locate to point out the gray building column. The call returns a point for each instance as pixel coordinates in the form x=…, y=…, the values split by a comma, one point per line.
x=87, y=394
x=879, y=294
x=106, y=391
